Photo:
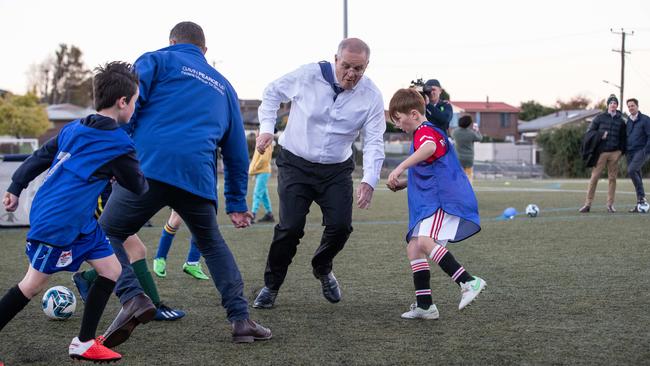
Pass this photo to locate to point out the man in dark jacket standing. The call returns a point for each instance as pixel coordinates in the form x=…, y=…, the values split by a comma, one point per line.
x=638, y=148
x=612, y=146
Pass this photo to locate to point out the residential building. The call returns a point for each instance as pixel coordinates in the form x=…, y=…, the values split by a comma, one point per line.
x=59, y=116
x=497, y=120
x=530, y=129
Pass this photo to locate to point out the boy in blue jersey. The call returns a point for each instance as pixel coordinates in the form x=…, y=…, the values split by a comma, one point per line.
x=442, y=204
x=82, y=159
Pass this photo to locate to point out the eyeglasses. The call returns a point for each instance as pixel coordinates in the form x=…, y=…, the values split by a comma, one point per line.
x=358, y=69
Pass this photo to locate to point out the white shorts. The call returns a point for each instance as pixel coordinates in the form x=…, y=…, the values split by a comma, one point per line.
x=441, y=227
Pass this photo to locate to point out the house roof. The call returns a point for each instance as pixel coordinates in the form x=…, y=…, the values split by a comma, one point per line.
x=557, y=119
x=67, y=112
x=456, y=108
x=498, y=107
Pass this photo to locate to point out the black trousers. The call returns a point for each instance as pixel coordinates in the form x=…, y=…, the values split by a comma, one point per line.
x=300, y=183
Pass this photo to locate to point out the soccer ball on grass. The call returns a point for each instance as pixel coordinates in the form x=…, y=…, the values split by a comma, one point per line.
x=532, y=210
x=59, y=303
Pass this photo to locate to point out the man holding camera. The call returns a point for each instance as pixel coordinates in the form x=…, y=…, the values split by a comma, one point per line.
x=438, y=111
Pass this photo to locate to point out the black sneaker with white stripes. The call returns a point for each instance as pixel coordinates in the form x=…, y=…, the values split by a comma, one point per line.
x=164, y=312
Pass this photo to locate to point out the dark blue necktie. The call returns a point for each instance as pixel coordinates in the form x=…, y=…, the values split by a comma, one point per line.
x=337, y=90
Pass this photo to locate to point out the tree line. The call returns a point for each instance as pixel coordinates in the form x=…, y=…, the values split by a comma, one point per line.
x=62, y=78
x=531, y=109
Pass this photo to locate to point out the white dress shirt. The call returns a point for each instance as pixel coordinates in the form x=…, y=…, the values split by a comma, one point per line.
x=322, y=130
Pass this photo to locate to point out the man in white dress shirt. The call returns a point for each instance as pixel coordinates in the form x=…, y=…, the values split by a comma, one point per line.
x=330, y=106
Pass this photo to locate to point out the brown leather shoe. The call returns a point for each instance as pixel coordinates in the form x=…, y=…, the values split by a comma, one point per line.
x=138, y=310
x=611, y=209
x=247, y=331
x=584, y=209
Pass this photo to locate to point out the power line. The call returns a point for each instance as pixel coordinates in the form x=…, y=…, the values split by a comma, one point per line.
x=622, y=52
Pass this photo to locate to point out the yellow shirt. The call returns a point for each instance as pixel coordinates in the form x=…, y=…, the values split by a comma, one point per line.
x=261, y=163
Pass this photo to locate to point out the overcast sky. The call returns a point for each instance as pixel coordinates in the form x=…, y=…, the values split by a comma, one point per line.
x=511, y=51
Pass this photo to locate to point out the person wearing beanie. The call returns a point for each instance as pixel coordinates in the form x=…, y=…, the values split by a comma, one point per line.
x=612, y=98
x=438, y=111
x=611, y=127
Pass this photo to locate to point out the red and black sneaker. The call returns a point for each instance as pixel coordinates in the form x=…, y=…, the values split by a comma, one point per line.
x=92, y=350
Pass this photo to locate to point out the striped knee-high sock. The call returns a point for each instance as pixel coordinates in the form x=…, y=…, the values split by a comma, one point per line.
x=421, y=280
x=166, y=239
x=448, y=263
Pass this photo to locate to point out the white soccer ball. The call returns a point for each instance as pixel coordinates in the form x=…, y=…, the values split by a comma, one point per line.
x=532, y=210
x=59, y=303
x=643, y=207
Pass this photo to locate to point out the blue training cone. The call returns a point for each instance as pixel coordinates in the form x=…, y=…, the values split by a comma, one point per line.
x=509, y=213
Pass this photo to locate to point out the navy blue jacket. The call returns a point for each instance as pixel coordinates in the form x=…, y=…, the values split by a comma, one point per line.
x=186, y=111
x=440, y=114
x=615, y=128
x=638, y=134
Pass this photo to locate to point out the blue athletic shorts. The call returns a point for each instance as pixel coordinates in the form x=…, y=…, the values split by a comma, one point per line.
x=48, y=259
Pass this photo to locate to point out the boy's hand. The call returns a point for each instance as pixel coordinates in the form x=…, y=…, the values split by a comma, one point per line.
x=393, y=177
x=402, y=184
x=10, y=201
x=241, y=219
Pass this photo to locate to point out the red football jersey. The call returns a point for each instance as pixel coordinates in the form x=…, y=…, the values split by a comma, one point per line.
x=427, y=135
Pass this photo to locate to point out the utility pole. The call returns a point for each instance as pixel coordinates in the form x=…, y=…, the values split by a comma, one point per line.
x=623, y=52
x=345, y=19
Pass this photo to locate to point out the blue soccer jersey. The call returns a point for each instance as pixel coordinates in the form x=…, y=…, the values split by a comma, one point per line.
x=442, y=184
x=64, y=205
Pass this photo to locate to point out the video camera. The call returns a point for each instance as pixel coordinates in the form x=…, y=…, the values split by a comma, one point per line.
x=421, y=87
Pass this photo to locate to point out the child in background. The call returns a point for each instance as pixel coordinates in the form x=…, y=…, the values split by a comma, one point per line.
x=260, y=168
x=192, y=266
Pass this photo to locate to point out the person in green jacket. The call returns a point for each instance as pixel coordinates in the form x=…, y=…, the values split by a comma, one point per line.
x=464, y=136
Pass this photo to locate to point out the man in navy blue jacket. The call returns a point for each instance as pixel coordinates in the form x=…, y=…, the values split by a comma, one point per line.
x=638, y=148
x=186, y=111
x=438, y=111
